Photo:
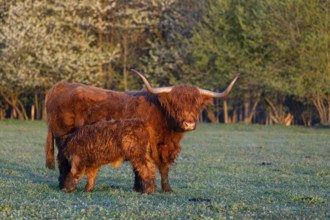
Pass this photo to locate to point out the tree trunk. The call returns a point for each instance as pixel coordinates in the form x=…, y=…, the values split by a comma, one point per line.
x=278, y=116
x=2, y=114
x=211, y=115
x=32, y=112
x=13, y=114
x=125, y=48
x=246, y=107
x=14, y=103
x=248, y=118
x=225, y=111
x=323, y=108
x=25, y=116
x=125, y=61
x=99, y=44
x=44, y=111
x=241, y=114
x=109, y=77
x=234, y=117
x=36, y=104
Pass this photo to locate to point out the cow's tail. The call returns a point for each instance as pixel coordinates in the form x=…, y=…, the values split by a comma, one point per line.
x=49, y=147
x=49, y=150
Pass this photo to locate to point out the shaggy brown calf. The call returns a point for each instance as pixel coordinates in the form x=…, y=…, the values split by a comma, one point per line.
x=104, y=142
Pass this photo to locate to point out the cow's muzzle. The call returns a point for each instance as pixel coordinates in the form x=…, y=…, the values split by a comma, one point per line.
x=188, y=126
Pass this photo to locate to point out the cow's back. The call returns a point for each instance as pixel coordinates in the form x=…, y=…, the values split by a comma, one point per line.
x=65, y=103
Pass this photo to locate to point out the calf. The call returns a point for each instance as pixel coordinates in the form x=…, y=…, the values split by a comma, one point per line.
x=109, y=142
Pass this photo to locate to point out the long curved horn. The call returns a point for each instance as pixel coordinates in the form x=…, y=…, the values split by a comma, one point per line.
x=149, y=88
x=221, y=94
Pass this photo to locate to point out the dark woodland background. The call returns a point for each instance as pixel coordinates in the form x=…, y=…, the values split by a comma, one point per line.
x=280, y=48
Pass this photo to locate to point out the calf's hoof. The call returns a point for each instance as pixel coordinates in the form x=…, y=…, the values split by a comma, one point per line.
x=50, y=165
x=66, y=190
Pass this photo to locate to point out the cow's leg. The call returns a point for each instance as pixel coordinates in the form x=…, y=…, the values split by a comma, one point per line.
x=68, y=182
x=138, y=182
x=167, y=153
x=163, y=170
x=163, y=166
x=144, y=168
x=91, y=174
x=64, y=168
x=63, y=164
x=49, y=150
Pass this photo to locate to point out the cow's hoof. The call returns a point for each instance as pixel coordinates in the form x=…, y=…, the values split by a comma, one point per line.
x=61, y=183
x=138, y=189
x=167, y=188
x=89, y=190
x=138, y=184
x=168, y=191
x=61, y=186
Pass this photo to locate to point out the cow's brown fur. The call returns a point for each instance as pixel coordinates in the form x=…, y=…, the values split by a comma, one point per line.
x=104, y=142
x=71, y=105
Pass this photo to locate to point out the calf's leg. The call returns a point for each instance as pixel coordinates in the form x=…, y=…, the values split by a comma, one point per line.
x=77, y=171
x=91, y=173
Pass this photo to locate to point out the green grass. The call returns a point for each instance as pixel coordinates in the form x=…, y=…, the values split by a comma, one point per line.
x=249, y=172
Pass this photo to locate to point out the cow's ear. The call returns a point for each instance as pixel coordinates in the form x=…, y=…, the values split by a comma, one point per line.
x=207, y=100
x=163, y=98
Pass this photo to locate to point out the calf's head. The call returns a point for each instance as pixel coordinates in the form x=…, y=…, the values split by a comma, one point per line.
x=184, y=103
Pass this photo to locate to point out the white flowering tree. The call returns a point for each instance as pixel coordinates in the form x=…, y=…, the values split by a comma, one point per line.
x=47, y=42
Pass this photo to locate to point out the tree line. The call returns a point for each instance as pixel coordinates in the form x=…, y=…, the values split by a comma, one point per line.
x=280, y=48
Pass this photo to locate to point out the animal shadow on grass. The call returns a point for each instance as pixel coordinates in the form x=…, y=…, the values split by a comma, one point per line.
x=107, y=183
x=104, y=187
x=19, y=172
x=266, y=163
x=109, y=187
x=199, y=200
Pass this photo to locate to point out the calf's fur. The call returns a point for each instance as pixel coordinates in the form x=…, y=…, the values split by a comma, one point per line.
x=91, y=146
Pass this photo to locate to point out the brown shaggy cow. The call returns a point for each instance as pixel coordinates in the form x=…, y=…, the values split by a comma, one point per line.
x=104, y=142
x=169, y=111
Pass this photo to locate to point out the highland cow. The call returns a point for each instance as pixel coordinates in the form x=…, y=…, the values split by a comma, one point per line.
x=91, y=146
x=169, y=111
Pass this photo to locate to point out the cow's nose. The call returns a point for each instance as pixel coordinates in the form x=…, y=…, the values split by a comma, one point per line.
x=188, y=126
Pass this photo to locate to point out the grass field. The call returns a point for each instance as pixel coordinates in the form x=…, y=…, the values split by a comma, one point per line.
x=236, y=171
